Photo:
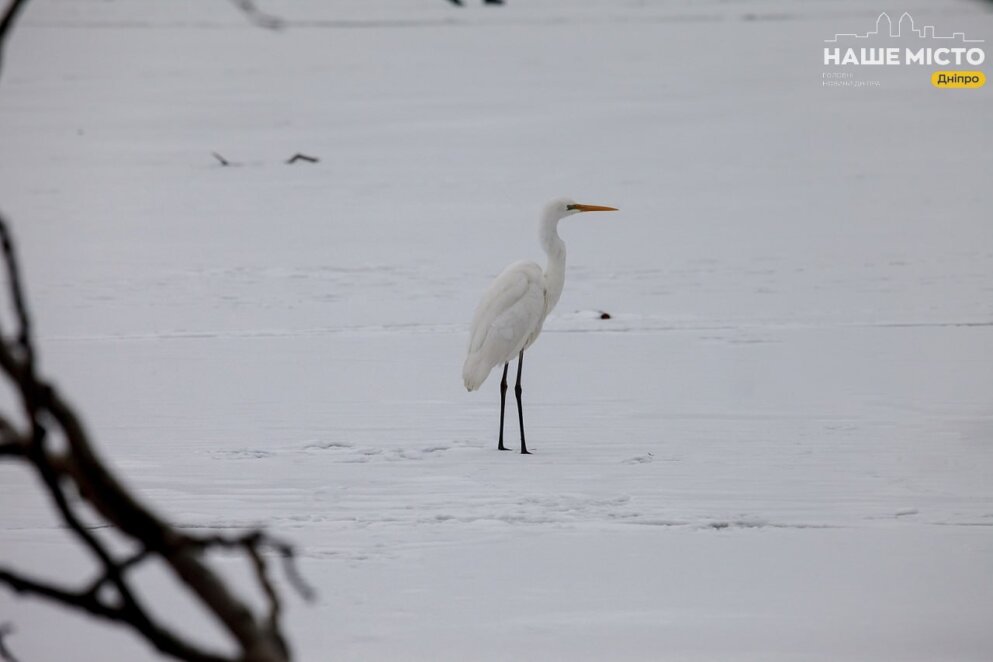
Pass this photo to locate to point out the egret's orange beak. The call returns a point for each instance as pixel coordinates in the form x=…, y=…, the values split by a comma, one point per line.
x=592, y=208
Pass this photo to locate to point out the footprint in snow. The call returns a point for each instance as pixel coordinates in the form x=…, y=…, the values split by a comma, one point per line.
x=327, y=445
x=241, y=454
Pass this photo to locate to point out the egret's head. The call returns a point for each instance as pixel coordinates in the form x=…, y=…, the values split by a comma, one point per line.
x=567, y=207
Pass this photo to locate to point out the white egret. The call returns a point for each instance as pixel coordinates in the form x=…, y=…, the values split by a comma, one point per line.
x=513, y=310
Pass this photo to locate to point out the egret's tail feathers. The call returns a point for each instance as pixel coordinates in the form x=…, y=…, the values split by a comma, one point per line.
x=474, y=373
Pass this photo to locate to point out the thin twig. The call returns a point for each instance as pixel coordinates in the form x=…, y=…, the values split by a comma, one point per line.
x=45, y=408
x=293, y=575
x=91, y=603
x=119, y=568
x=17, y=294
x=5, y=654
x=260, y=540
x=7, y=23
x=302, y=157
x=84, y=601
x=259, y=17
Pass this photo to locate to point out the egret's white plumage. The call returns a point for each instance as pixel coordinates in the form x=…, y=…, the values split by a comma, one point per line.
x=507, y=321
x=512, y=311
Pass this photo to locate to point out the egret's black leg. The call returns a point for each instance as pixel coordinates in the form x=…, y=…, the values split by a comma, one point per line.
x=503, y=400
x=520, y=407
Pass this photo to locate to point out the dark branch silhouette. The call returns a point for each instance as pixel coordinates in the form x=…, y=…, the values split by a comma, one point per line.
x=75, y=475
x=259, y=17
x=5, y=654
x=78, y=468
x=302, y=157
x=7, y=23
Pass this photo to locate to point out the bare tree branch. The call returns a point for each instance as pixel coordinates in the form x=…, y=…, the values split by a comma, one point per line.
x=89, y=602
x=81, y=600
x=17, y=295
x=260, y=540
x=47, y=413
x=13, y=448
x=8, y=433
x=7, y=23
x=118, y=568
x=5, y=654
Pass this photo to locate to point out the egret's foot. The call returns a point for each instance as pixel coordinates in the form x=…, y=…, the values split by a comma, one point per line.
x=525, y=452
x=501, y=448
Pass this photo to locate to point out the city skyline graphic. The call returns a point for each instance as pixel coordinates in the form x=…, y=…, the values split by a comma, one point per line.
x=902, y=28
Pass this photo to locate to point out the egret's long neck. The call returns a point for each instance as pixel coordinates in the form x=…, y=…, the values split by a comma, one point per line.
x=555, y=271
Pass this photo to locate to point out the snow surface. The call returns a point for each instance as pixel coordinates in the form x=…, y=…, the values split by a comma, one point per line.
x=778, y=448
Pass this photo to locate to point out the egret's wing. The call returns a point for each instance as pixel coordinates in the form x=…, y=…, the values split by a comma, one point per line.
x=515, y=291
x=509, y=315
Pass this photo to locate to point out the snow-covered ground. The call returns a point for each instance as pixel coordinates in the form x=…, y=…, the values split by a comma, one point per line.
x=779, y=448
